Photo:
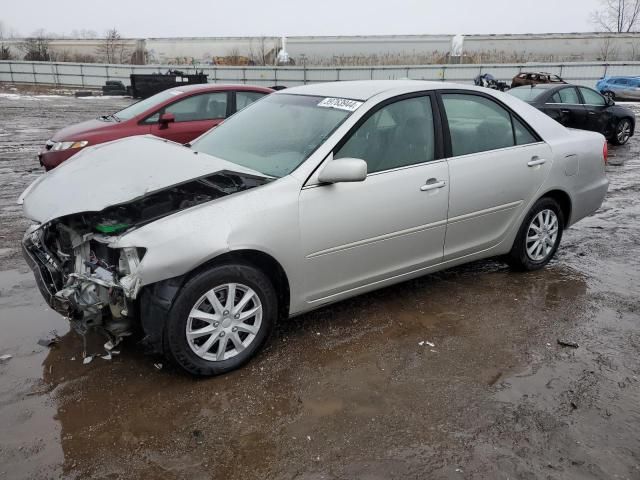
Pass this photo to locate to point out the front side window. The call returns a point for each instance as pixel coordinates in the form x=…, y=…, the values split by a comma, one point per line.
x=245, y=98
x=275, y=135
x=569, y=96
x=397, y=135
x=555, y=98
x=592, y=98
x=208, y=106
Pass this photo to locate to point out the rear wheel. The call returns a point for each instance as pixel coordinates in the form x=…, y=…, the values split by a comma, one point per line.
x=539, y=236
x=220, y=319
x=622, y=132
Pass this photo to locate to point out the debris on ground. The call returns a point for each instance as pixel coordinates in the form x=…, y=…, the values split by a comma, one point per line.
x=87, y=360
x=158, y=366
x=50, y=340
x=426, y=342
x=567, y=343
x=5, y=358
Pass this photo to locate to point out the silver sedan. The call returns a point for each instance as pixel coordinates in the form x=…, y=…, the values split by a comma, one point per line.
x=309, y=196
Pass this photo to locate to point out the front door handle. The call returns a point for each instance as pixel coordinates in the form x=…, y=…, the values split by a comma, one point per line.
x=432, y=185
x=536, y=161
x=565, y=111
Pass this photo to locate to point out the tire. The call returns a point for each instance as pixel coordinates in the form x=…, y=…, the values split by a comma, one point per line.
x=193, y=299
x=621, y=132
x=520, y=257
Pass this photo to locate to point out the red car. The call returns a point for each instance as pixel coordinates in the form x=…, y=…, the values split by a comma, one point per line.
x=179, y=114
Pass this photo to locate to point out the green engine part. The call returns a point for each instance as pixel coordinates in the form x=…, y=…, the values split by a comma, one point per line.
x=111, y=227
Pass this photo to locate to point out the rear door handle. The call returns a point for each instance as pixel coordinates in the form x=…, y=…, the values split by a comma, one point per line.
x=433, y=185
x=536, y=161
x=565, y=111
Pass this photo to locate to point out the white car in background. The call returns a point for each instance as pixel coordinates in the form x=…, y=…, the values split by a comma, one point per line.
x=308, y=196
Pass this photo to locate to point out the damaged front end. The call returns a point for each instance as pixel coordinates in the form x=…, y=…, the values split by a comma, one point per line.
x=96, y=286
x=84, y=279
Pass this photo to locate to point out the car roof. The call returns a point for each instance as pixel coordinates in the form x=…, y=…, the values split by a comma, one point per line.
x=215, y=87
x=366, y=89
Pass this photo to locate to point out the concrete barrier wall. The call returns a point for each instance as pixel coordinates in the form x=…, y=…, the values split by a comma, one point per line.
x=93, y=75
x=355, y=50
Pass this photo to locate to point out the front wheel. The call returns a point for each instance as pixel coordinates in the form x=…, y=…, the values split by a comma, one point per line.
x=538, y=237
x=220, y=319
x=622, y=132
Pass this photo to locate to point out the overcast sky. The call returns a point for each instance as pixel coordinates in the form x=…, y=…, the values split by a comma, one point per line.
x=168, y=18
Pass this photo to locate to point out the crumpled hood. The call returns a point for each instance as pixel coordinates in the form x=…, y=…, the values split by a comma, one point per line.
x=116, y=172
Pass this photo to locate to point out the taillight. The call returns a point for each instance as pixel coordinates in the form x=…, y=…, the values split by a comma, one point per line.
x=605, y=152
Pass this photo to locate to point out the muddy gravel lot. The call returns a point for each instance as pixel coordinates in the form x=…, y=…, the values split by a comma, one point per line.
x=455, y=375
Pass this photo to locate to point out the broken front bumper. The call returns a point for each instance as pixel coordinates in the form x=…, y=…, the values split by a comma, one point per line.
x=75, y=288
x=49, y=277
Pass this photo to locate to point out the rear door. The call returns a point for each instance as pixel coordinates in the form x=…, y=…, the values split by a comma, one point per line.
x=497, y=163
x=566, y=107
x=194, y=115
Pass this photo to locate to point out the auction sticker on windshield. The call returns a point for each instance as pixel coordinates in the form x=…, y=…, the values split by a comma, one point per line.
x=340, y=103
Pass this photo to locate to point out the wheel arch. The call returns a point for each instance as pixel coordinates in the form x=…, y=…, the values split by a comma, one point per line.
x=266, y=263
x=564, y=200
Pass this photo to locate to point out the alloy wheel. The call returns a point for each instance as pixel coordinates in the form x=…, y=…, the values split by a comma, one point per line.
x=542, y=235
x=224, y=322
x=623, y=132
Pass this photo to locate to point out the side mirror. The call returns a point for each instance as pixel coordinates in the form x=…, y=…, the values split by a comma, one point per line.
x=610, y=101
x=166, y=119
x=344, y=170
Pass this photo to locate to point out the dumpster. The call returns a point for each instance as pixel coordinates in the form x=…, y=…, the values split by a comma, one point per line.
x=145, y=85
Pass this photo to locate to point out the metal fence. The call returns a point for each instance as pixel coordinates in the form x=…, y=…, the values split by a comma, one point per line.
x=93, y=75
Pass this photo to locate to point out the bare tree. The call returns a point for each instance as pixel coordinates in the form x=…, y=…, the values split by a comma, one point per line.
x=113, y=48
x=608, y=50
x=233, y=57
x=5, y=51
x=260, y=52
x=618, y=16
x=36, y=47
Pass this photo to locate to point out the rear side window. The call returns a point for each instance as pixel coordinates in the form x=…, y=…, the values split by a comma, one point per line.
x=397, y=135
x=569, y=96
x=478, y=124
x=522, y=133
x=245, y=98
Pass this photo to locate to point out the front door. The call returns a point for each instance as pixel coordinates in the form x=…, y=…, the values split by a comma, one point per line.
x=596, y=107
x=194, y=115
x=356, y=235
x=497, y=165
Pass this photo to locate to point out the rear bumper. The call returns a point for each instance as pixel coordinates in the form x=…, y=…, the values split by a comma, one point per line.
x=50, y=159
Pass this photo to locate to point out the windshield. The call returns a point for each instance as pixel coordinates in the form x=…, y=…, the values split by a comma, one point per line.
x=144, y=105
x=527, y=94
x=276, y=134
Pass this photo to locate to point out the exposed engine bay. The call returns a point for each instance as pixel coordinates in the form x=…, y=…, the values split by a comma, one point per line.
x=94, y=285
